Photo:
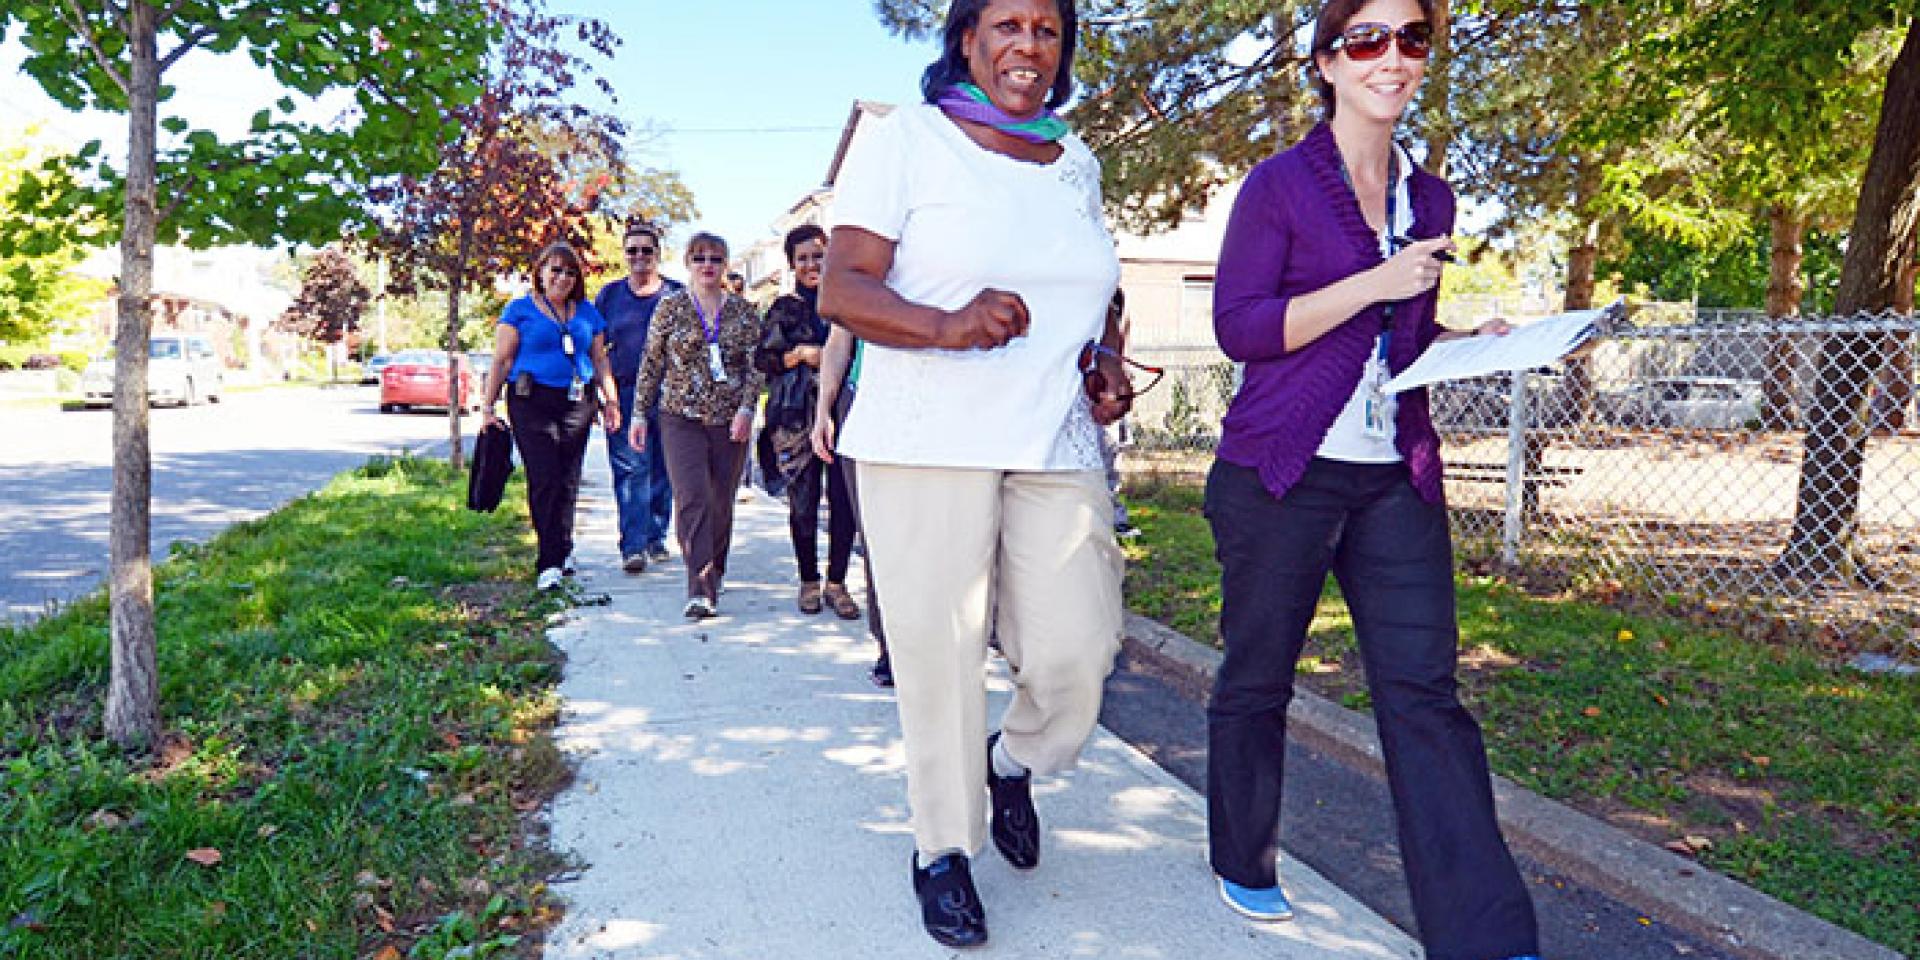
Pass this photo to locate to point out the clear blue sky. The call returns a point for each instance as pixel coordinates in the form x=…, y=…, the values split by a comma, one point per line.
x=700, y=72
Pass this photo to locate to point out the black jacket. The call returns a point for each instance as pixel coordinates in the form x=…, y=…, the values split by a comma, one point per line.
x=792, y=321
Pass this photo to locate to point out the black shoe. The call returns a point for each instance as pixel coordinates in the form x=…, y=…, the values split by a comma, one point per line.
x=882, y=672
x=950, y=908
x=1016, y=828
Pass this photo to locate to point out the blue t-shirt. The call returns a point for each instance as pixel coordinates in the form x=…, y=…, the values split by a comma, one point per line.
x=629, y=315
x=541, y=352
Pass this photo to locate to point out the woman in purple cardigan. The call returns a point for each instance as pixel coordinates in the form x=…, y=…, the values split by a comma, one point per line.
x=1326, y=286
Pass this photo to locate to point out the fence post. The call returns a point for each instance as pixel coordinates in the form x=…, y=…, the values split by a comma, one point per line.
x=1511, y=530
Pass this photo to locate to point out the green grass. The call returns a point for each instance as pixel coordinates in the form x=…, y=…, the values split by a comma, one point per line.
x=354, y=691
x=1804, y=776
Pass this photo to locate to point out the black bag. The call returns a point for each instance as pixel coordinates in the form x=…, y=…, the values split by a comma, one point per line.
x=492, y=466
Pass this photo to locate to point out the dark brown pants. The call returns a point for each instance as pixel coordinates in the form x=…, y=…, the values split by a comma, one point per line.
x=703, y=465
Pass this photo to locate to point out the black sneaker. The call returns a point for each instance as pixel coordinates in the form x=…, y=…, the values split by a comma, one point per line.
x=882, y=672
x=950, y=908
x=1016, y=827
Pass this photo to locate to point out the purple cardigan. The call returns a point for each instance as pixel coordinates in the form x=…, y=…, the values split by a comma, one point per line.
x=1296, y=228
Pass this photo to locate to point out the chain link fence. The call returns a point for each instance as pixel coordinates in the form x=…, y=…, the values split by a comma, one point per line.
x=1761, y=473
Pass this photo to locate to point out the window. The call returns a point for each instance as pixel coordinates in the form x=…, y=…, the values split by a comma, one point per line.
x=1196, y=304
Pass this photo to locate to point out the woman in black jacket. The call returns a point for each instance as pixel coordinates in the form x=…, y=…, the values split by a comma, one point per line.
x=790, y=356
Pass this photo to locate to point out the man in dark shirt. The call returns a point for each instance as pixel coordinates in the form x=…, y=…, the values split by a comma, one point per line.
x=640, y=488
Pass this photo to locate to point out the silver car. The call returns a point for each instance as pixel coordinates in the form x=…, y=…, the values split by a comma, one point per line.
x=182, y=369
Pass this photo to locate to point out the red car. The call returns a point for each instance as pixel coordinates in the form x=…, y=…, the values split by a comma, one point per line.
x=418, y=378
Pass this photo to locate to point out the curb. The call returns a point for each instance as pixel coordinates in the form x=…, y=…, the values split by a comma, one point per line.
x=1678, y=890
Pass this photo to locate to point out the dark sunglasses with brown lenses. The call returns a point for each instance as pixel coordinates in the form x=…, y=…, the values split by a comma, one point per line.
x=1368, y=41
x=1096, y=382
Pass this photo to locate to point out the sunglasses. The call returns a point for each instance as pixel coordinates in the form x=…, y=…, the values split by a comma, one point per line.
x=702, y=259
x=641, y=251
x=1096, y=382
x=1368, y=41
x=562, y=270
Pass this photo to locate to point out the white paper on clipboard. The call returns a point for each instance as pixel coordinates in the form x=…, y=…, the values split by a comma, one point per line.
x=1534, y=345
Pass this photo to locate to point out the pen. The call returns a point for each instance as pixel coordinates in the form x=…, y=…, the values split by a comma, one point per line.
x=1440, y=255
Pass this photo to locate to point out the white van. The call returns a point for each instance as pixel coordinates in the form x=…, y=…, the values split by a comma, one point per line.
x=182, y=369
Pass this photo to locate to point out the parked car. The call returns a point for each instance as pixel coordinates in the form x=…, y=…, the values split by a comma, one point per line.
x=418, y=378
x=1700, y=403
x=482, y=360
x=182, y=369
x=370, y=370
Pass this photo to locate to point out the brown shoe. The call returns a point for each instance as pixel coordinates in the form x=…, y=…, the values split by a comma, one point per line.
x=843, y=605
x=810, y=596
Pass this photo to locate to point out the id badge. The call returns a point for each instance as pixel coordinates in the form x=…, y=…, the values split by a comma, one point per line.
x=575, y=391
x=1379, y=406
x=566, y=344
x=714, y=364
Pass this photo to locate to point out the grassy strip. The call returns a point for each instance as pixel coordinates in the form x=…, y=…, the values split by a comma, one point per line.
x=1797, y=777
x=355, y=692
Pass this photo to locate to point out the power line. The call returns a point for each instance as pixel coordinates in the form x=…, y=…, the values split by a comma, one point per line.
x=679, y=131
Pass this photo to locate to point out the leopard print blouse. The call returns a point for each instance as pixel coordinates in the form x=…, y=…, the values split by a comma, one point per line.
x=676, y=356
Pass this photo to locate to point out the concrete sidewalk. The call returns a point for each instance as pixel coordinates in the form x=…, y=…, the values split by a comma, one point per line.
x=741, y=794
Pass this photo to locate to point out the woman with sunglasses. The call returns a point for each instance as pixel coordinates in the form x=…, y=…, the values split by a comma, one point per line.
x=972, y=256
x=790, y=354
x=550, y=347
x=699, y=361
x=1326, y=285
x=642, y=495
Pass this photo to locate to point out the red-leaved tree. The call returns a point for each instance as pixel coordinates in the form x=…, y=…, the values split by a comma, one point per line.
x=512, y=181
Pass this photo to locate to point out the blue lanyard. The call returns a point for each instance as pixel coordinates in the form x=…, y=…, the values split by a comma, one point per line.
x=1393, y=197
x=712, y=330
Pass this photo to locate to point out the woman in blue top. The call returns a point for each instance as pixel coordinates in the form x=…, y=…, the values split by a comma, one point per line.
x=551, y=346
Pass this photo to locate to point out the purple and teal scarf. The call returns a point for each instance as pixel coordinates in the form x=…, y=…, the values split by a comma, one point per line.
x=968, y=102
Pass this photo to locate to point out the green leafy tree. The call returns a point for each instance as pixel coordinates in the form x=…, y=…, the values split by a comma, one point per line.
x=287, y=178
x=39, y=292
x=527, y=167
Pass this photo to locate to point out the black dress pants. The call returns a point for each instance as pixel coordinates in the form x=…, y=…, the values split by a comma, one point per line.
x=1393, y=557
x=551, y=433
x=844, y=466
x=803, y=521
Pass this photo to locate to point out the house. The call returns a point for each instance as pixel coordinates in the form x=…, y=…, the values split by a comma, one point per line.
x=233, y=293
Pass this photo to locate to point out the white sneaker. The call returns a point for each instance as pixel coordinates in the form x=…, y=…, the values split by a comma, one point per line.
x=698, y=608
x=549, y=579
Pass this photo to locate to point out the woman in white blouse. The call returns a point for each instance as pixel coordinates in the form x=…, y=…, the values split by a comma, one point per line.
x=971, y=255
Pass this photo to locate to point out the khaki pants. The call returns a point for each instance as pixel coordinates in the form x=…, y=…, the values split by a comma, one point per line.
x=1029, y=555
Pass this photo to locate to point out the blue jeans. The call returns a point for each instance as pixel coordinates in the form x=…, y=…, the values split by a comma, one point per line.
x=640, y=487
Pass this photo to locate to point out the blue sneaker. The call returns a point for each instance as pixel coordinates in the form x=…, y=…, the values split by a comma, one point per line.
x=1267, y=904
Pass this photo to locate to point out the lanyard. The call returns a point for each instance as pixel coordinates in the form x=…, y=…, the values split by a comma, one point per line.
x=1387, y=228
x=710, y=328
x=553, y=313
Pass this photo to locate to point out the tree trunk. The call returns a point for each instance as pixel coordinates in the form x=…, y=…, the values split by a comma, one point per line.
x=1581, y=260
x=133, y=688
x=457, y=456
x=1880, y=247
x=1439, y=88
x=1785, y=288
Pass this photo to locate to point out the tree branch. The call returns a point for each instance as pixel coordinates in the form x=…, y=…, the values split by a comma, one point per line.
x=78, y=21
x=168, y=13
x=187, y=43
x=193, y=180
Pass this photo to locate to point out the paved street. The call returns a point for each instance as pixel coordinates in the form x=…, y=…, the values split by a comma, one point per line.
x=212, y=465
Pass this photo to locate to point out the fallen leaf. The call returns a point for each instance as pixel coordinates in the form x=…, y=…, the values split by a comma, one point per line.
x=205, y=856
x=1591, y=712
x=387, y=953
x=1762, y=761
x=383, y=919
x=450, y=738
x=103, y=820
x=266, y=831
x=1624, y=636
x=1657, y=698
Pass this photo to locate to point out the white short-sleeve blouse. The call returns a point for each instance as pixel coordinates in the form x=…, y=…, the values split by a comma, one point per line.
x=964, y=219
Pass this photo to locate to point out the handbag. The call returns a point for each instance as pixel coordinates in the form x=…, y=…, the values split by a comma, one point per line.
x=492, y=466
